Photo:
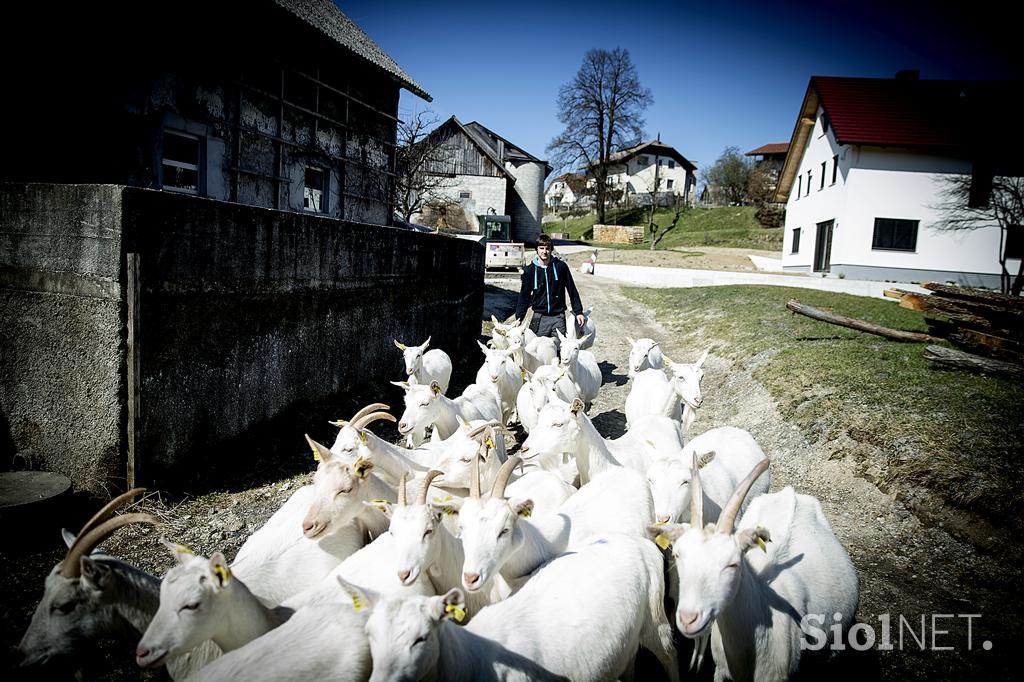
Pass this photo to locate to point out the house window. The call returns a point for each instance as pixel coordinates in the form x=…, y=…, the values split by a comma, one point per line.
x=313, y=191
x=1014, y=247
x=661, y=162
x=465, y=195
x=796, y=240
x=180, y=168
x=895, y=234
x=823, y=163
x=643, y=161
x=824, y=123
x=669, y=184
x=671, y=163
x=835, y=168
x=809, y=178
x=799, y=185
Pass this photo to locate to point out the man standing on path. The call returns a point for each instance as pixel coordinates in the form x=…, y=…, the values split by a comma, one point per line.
x=543, y=288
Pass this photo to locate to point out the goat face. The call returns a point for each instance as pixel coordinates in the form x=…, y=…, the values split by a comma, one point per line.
x=188, y=608
x=421, y=409
x=413, y=528
x=645, y=354
x=457, y=464
x=403, y=634
x=686, y=383
x=670, y=487
x=569, y=349
x=336, y=495
x=489, y=533
x=557, y=431
x=349, y=444
x=73, y=614
x=494, y=362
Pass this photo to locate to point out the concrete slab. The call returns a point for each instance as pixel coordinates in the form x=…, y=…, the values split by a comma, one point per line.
x=681, y=277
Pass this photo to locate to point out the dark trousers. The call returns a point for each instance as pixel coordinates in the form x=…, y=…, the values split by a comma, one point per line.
x=545, y=325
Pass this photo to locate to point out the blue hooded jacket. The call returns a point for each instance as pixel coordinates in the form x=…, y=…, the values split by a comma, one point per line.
x=543, y=289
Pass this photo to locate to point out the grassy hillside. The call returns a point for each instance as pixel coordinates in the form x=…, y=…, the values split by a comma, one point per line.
x=731, y=226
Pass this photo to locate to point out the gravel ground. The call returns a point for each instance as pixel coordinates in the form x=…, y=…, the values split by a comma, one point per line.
x=906, y=569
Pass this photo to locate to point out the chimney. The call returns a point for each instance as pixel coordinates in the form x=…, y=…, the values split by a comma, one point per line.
x=908, y=75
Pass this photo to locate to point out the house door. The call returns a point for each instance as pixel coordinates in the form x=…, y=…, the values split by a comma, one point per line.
x=823, y=247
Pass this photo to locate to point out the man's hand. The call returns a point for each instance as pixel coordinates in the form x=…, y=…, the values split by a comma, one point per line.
x=580, y=320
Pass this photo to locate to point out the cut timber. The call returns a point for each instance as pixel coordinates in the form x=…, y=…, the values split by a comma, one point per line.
x=962, y=360
x=860, y=325
x=979, y=315
x=992, y=297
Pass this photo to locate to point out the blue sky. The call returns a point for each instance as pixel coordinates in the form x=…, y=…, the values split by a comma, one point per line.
x=722, y=73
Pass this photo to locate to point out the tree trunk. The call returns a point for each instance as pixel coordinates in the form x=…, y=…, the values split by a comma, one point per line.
x=859, y=325
x=962, y=360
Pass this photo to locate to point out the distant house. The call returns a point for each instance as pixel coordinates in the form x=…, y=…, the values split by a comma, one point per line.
x=566, y=190
x=773, y=154
x=632, y=173
x=864, y=172
x=488, y=174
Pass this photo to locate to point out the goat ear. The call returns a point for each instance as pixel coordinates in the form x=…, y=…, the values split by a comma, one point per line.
x=68, y=536
x=663, y=535
x=383, y=506
x=523, y=508
x=320, y=452
x=426, y=344
x=585, y=339
x=630, y=340
x=362, y=467
x=452, y=605
x=94, y=573
x=482, y=347
x=180, y=552
x=576, y=406
x=447, y=505
x=705, y=459
x=220, y=570
x=753, y=537
x=435, y=387
x=404, y=385
x=363, y=599
x=700, y=363
x=560, y=334
x=399, y=346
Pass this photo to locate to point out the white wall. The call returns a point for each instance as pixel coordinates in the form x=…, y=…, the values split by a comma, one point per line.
x=881, y=183
x=485, y=192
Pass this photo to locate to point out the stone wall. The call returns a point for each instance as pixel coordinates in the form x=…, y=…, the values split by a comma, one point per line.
x=242, y=314
x=619, y=234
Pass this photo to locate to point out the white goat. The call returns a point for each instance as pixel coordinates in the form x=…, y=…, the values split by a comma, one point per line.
x=587, y=333
x=755, y=603
x=644, y=354
x=530, y=351
x=88, y=598
x=565, y=429
x=423, y=366
x=582, y=616
x=725, y=455
x=503, y=376
x=582, y=366
x=426, y=406
x=677, y=395
x=498, y=542
x=535, y=391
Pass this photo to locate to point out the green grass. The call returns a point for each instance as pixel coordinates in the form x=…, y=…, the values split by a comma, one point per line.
x=957, y=434
x=730, y=226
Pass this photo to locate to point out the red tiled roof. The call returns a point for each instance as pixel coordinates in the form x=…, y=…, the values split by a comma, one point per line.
x=772, y=148
x=896, y=112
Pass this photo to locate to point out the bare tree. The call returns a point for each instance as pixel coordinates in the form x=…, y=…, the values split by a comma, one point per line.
x=1004, y=208
x=602, y=110
x=420, y=162
x=658, y=233
x=729, y=175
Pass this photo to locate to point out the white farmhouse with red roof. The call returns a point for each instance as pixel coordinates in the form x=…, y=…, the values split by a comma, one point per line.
x=862, y=181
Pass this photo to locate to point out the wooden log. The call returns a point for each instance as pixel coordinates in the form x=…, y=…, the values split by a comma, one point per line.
x=962, y=360
x=998, y=347
x=984, y=317
x=860, y=325
x=981, y=295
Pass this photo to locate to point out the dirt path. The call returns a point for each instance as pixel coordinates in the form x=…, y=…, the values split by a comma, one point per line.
x=905, y=568
x=695, y=257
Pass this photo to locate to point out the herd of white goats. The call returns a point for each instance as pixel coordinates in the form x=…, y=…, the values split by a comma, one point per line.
x=545, y=565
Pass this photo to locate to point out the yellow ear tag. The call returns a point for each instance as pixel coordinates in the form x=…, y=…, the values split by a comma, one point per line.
x=222, y=572
x=522, y=375
x=662, y=541
x=436, y=389
x=760, y=543
x=489, y=443
x=357, y=601
x=458, y=613
x=651, y=444
x=380, y=505
x=361, y=467
x=525, y=512
x=363, y=437
x=182, y=549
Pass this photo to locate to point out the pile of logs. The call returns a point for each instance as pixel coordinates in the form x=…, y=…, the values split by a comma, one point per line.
x=986, y=327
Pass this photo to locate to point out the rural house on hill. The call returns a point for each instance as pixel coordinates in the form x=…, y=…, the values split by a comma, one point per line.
x=193, y=235
x=632, y=172
x=864, y=176
x=566, y=190
x=488, y=175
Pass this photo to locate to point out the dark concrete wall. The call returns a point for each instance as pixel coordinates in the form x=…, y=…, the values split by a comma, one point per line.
x=244, y=312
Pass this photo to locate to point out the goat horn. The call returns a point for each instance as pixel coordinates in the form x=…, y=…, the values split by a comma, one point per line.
x=728, y=516
x=367, y=419
x=71, y=566
x=401, y=489
x=504, y=473
x=696, y=496
x=431, y=475
x=368, y=409
x=106, y=511
x=474, y=478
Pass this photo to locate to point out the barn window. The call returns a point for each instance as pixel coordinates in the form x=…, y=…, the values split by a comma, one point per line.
x=894, y=234
x=181, y=162
x=313, y=192
x=1014, y=247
